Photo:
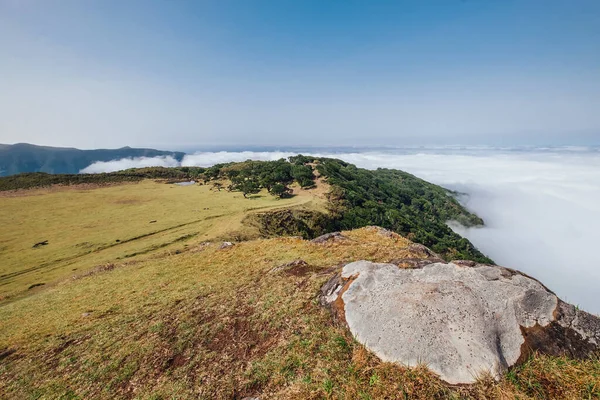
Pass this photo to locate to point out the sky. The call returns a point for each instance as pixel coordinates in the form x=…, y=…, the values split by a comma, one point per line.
x=187, y=74
x=540, y=206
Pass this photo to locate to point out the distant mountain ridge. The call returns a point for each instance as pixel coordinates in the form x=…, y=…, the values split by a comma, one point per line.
x=25, y=157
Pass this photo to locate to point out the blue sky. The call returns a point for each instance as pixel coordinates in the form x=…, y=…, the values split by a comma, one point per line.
x=180, y=74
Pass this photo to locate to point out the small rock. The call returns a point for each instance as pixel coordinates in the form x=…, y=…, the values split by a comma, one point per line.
x=383, y=232
x=464, y=263
x=423, y=250
x=225, y=245
x=328, y=237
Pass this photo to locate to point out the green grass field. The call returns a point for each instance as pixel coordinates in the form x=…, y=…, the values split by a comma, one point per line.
x=90, y=227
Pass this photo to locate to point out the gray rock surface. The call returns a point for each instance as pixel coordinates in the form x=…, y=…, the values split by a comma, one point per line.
x=460, y=320
x=329, y=237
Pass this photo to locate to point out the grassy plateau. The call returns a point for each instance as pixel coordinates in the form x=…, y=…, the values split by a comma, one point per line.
x=85, y=227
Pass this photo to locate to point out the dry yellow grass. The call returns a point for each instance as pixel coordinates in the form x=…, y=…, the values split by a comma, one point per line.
x=88, y=227
x=214, y=323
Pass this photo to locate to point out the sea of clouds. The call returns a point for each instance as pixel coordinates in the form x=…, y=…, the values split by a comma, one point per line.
x=541, y=206
x=126, y=163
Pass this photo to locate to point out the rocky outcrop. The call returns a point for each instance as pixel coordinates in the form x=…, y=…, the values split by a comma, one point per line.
x=460, y=319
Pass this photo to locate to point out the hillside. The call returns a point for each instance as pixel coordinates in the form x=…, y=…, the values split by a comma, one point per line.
x=214, y=322
x=23, y=157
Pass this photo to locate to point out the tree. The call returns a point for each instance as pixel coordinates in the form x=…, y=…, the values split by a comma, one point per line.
x=280, y=190
x=304, y=175
x=248, y=186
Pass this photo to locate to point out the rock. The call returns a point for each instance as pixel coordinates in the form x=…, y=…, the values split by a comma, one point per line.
x=461, y=321
x=465, y=263
x=382, y=231
x=414, y=262
x=225, y=245
x=329, y=237
x=330, y=291
x=419, y=249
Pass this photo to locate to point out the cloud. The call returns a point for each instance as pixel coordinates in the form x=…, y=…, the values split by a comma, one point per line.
x=126, y=163
x=206, y=159
x=191, y=160
x=540, y=206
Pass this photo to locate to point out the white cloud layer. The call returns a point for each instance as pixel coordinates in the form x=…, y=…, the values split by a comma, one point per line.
x=541, y=208
x=206, y=159
x=126, y=163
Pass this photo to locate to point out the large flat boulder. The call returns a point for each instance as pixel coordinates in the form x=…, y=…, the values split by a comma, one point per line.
x=461, y=319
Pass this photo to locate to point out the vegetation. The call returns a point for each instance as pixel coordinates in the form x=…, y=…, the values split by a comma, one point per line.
x=304, y=175
x=274, y=176
x=391, y=199
x=400, y=202
x=23, y=157
x=212, y=323
x=301, y=222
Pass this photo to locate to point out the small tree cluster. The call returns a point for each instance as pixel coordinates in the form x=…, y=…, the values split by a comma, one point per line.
x=249, y=177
